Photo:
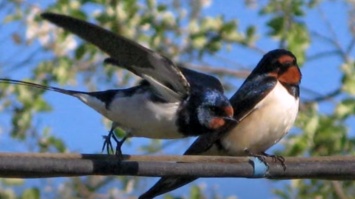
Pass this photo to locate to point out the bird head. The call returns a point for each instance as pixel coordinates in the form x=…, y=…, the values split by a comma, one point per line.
x=215, y=110
x=281, y=64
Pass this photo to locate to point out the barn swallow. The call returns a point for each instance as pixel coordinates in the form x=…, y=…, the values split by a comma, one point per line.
x=170, y=102
x=266, y=106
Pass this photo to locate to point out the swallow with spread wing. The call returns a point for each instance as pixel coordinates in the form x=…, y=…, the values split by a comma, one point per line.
x=170, y=102
x=266, y=106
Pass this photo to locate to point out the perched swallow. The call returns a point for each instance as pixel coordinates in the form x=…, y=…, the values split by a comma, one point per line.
x=266, y=106
x=170, y=102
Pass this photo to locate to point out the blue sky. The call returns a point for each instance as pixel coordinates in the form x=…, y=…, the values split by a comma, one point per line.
x=81, y=127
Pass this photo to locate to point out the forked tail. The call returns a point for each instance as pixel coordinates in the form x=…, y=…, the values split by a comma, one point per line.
x=39, y=86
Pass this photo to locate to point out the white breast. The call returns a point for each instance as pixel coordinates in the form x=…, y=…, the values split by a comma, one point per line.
x=137, y=115
x=143, y=118
x=271, y=119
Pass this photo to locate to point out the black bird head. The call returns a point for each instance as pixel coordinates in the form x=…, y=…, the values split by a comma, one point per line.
x=281, y=64
x=206, y=111
x=214, y=109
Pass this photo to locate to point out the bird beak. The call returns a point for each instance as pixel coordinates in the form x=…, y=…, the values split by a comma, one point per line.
x=230, y=113
x=230, y=119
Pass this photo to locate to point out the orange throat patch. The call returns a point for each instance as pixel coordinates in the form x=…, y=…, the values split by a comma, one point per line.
x=291, y=76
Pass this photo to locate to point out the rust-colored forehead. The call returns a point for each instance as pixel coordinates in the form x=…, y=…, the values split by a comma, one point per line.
x=285, y=59
x=290, y=73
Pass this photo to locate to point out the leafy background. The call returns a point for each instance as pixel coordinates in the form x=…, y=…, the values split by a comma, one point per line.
x=224, y=38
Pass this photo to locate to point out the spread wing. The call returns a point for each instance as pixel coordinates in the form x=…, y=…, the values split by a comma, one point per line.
x=166, y=78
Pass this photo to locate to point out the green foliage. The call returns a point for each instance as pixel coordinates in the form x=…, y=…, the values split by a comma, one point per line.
x=32, y=193
x=285, y=27
x=348, y=78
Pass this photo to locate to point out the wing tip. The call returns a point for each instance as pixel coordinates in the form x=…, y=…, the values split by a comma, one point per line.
x=49, y=15
x=166, y=184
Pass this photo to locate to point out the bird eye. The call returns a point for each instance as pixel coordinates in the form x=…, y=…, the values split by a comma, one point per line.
x=287, y=64
x=213, y=108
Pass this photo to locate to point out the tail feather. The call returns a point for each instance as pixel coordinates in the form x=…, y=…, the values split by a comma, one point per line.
x=98, y=101
x=165, y=185
x=39, y=86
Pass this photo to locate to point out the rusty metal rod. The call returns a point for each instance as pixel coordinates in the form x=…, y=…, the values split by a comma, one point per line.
x=19, y=165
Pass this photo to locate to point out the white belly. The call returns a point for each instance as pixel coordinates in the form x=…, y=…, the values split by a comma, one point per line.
x=271, y=119
x=138, y=116
x=142, y=118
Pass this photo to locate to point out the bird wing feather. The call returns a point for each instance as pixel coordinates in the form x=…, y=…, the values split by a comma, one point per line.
x=129, y=55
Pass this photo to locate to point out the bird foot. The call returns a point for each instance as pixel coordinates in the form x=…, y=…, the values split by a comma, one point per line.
x=276, y=158
x=108, y=144
x=119, y=146
x=262, y=157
